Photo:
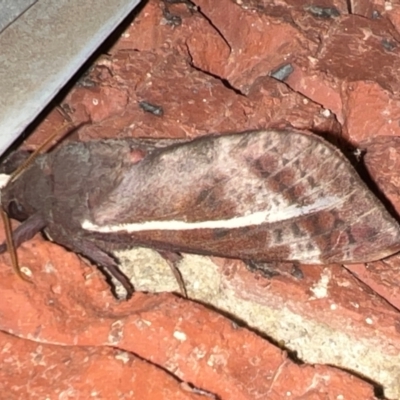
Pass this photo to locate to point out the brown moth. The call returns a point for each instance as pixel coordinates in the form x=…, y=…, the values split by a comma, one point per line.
x=259, y=196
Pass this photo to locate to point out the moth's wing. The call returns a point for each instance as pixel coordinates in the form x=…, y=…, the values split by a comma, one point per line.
x=264, y=195
x=151, y=144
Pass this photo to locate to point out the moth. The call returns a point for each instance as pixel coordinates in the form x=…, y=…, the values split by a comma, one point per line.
x=259, y=196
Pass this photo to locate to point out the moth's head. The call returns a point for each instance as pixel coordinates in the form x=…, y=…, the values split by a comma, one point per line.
x=19, y=198
x=8, y=166
x=13, y=202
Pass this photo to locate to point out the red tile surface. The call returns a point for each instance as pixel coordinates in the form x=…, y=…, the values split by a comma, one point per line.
x=65, y=335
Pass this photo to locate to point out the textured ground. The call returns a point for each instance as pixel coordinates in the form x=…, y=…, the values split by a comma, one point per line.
x=332, y=334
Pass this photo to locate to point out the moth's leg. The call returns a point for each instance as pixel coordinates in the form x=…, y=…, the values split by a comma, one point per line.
x=100, y=257
x=172, y=259
x=271, y=269
x=27, y=230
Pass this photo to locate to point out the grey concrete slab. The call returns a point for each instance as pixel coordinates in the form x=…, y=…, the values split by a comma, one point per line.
x=42, y=48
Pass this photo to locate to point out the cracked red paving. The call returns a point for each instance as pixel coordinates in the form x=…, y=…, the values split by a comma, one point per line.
x=208, y=71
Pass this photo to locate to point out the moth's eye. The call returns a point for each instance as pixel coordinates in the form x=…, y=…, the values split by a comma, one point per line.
x=15, y=210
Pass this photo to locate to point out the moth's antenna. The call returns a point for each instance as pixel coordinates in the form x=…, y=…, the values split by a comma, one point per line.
x=11, y=247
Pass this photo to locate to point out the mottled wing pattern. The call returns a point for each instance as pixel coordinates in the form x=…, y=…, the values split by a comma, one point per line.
x=262, y=195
